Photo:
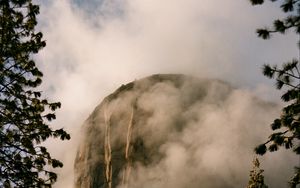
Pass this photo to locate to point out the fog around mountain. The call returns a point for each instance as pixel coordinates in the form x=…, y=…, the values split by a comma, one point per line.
x=176, y=131
x=95, y=46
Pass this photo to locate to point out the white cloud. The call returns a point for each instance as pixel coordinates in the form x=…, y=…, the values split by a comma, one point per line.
x=90, y=53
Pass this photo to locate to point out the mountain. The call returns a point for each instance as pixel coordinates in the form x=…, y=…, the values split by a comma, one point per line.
x=173, y=131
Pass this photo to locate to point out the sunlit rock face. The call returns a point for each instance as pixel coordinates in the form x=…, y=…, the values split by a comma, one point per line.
x=172, y=131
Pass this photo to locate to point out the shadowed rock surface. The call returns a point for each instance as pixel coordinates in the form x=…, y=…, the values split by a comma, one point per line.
x=170, y=131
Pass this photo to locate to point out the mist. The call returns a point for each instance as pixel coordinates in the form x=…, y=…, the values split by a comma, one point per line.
x=92, y=50
x=174, y=131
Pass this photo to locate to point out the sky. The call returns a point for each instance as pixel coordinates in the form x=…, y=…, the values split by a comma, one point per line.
x=95, y=46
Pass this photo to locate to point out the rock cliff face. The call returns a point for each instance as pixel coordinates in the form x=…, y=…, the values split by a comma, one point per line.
x=170, y=131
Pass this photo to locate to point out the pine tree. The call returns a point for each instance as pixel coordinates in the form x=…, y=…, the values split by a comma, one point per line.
x=286, y=127
x=256, y=178
x=24, y=113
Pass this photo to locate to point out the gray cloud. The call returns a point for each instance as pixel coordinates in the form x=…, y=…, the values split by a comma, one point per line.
x=89, y=53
